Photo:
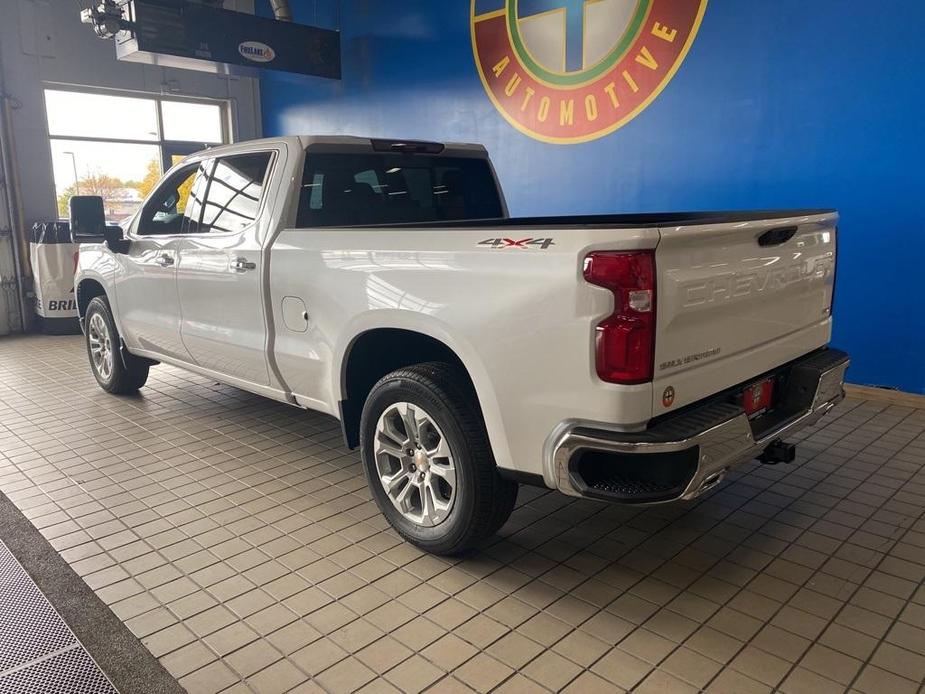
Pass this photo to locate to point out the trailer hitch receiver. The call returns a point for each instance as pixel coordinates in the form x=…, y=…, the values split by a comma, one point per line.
x=778, y=452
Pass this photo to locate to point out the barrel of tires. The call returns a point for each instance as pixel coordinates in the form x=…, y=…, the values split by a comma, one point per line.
x=54, y=261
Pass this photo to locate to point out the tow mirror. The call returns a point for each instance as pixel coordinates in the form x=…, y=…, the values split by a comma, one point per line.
x=88, y=219
x=88, y=223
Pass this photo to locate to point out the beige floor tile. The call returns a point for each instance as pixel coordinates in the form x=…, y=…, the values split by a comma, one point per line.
x=581, y=647
x=235, y=535
x=622, y=669
x=732, y=682
x=481, y=631
x=691, y=667
x=356, y=635
x=551, y=670
x=803, y=681
x=346, y=676
x=831, y=664
x=659, y=682
x=760, y=665
x=385, y=653
x=783, y=644
x=483, y=673
x=648, y=646
x=211, y=679
x=874, y=680
x=293, y=637
x=414, y=675
x=518, y=684
x=168, y=640
x=899, y=661
x=188, y=659
x=252, y=658
x=317, y=657
x=280, y=677
x=589, y=683
x=515, y=650
x=419, y=633
x=544, y=629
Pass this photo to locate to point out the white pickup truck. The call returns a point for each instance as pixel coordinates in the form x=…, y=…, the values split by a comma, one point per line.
x=632, y=359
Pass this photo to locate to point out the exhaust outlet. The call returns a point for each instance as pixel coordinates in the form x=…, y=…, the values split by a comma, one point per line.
x=711, y=481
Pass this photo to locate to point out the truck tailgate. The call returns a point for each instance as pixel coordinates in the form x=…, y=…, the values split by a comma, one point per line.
x=735, y=300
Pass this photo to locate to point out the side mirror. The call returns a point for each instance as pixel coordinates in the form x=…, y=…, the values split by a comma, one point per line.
x=88, y=223
x=88, y=219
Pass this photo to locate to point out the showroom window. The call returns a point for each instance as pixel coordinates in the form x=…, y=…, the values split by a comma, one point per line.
x=119, y=146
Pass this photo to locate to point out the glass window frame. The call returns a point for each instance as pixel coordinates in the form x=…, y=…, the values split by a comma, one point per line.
x=168, y=148
x=206, y=163
x=268, y=177
x=209, y=163
x=314, y=165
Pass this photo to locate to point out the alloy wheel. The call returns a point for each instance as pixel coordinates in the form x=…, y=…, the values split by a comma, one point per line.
x=100, y=346
x=415, y=464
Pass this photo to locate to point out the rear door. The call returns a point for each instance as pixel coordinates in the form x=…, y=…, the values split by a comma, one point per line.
x=737, y=299
x=220, y=270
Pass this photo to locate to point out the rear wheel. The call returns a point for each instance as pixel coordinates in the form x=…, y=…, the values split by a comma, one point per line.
x=113, y=373
x=428, y=462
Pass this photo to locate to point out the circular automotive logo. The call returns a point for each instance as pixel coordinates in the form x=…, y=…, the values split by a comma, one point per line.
x=567, y=71
x=256, y=52
x=668, y=397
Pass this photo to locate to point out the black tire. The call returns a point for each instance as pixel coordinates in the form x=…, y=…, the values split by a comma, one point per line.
x=124, y=376
x=483, y=499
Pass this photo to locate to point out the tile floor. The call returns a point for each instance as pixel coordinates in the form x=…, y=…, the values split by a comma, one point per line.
x=236, y=538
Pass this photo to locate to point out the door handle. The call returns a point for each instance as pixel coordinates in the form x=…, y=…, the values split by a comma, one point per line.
x=243, y=265
x=165, y=260
x=777, y=237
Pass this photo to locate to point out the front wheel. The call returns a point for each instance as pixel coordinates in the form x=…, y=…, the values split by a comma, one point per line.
x=428, y=461
x=113, y=374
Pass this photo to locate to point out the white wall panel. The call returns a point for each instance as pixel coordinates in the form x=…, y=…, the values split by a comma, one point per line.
x=43, y=42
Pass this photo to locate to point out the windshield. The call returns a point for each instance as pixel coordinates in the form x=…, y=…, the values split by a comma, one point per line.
x=369, y=189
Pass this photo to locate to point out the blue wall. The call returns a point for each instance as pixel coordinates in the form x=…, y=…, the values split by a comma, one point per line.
x=779, y=104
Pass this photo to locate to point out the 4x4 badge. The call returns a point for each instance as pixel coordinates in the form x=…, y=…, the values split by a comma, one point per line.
x=523, y=244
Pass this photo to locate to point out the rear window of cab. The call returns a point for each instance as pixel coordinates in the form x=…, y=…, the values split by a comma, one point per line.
x=389, y=188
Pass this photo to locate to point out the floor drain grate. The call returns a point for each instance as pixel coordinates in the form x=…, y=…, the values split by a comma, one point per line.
x=39, y=654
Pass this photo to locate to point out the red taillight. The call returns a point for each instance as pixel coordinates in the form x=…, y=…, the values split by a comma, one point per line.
x=626, y=339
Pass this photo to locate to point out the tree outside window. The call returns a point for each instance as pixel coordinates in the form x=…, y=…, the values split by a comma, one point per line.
x=122, y=157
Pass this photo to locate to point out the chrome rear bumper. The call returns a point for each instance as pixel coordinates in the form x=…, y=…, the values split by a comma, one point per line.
x=718, y=433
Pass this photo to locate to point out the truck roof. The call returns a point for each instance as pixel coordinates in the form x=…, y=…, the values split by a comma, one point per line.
x=349, y=142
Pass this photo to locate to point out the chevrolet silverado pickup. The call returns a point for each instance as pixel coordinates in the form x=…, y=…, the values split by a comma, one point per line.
x=631, y=359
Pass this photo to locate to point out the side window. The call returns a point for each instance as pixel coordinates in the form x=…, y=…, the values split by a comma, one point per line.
x=175, y=205
x=317, y=189
x=234, y=192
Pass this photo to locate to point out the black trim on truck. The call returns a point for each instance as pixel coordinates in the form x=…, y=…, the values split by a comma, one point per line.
x=687, y=421
x=619, y=221
x=349, y=413
x=528, y=478
x=686, y=453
